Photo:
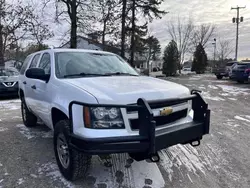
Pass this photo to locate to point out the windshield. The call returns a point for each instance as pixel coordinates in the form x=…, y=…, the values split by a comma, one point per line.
x=8, y=72
x=90, y=64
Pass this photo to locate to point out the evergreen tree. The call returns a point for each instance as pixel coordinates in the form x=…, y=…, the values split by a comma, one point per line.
x=149, y=9
x=200, y=60
x=170, y=59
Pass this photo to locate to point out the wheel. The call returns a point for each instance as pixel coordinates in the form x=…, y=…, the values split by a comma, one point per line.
x=29, y=119
x=72, y=164
x=219, y=77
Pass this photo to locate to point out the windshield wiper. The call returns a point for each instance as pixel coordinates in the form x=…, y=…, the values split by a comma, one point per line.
x=120, y=73
x=83, y=75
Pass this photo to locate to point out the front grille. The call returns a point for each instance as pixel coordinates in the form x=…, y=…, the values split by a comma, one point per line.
x=158, y=105
x=162, y=120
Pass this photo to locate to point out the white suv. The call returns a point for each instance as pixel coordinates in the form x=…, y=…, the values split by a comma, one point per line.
x=96, y=103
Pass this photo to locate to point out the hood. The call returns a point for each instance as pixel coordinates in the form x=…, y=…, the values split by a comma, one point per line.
x=8, y=78
x=127, y=89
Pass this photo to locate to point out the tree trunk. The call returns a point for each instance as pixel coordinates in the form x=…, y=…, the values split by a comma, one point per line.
x=149, y=57
x=1, y=47
x=132, y=47
x=124, y=6
x=73, y=34
x=103, y=33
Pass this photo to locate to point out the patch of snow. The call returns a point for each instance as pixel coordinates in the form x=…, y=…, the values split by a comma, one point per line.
x=232, y=99
x=1, y=180
x=25, y=131
x=231, y=124
x=201, y=87
x=10, y=105
x=28, y=133
x=220, y=133
x=242, y=119
x=180, y=156
x=33, y=175
x=224, y=94
x=212, y=87
x=189, y=178
x=234, y=90
x=1, y=164
x=207, y=95
x=51, y=170
x=6, y=174
x=20, y=181
x=2, y=129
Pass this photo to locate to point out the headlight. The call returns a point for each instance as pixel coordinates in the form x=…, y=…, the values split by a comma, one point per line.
x=103, y=118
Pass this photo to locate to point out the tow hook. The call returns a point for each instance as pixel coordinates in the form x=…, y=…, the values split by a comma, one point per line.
x=154, y=158
x=195, y=143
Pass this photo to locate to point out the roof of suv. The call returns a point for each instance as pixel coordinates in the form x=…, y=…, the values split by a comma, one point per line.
x=76, y=50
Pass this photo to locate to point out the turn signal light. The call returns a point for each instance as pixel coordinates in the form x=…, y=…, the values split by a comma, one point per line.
x=86, y=117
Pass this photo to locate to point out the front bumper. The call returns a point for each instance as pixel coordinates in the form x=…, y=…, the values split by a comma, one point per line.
x=148, y=141
x=8, y=91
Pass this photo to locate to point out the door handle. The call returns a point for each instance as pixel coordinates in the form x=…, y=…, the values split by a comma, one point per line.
x=24, y=82
x=33, y=87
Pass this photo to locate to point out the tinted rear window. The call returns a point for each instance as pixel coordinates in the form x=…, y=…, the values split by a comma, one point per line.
x=230, y=64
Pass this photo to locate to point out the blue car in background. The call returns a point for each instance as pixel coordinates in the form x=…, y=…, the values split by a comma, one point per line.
x=241, y=72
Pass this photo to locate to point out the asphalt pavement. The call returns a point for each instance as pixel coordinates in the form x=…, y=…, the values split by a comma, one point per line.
x=222, y=160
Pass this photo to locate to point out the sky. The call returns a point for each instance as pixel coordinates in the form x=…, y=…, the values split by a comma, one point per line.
x=217, y=12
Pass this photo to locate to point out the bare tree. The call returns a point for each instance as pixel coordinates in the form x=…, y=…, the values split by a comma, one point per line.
x=181, y=31
x=12, y=26
x=36, y=28
x=202, y=34
x=78, y=12
x=225, y=48
x=107, y=16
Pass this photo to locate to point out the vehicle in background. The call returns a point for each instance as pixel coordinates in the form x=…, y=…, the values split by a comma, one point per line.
x=223, y=70
x=231, y=76
x=241, y=72
x=186, y=69
x=8, y=81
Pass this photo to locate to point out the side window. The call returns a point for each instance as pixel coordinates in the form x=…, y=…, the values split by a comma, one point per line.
x=25, y=64
x=45, y=63
x=34, y=61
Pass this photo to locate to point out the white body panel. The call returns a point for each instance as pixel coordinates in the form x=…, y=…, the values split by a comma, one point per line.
x=58, y=93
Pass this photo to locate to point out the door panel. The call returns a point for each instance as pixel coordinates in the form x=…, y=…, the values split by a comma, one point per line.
x=42, y=91
x=29, y=92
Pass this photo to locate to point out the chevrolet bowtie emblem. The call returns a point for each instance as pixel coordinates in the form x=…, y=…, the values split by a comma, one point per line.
x=166, y=111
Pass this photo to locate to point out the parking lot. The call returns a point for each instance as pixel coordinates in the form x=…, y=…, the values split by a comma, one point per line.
x=222, y=160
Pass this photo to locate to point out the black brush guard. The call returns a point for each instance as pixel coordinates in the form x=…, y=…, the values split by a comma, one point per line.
x=147, y=143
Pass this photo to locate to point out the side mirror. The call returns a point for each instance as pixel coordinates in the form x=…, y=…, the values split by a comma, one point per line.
x=37, y=73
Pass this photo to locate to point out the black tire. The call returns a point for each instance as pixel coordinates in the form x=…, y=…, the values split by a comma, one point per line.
x=219, y=77
x=78, y=163
x=240, y=81
x=29, y=119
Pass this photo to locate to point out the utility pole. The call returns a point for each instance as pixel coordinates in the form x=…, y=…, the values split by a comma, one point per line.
x=214, y=43
x=237, y=20
x=2, y=2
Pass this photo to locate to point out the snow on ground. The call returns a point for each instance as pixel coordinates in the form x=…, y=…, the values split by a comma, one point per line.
x=207, y=95
x=196, y=161
x=119, y=174
x=212, y=87
x=235, y=91
x=20, y=181
x=2, y=129
x=244, y=118
x=10, y=104
x=31, y=133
